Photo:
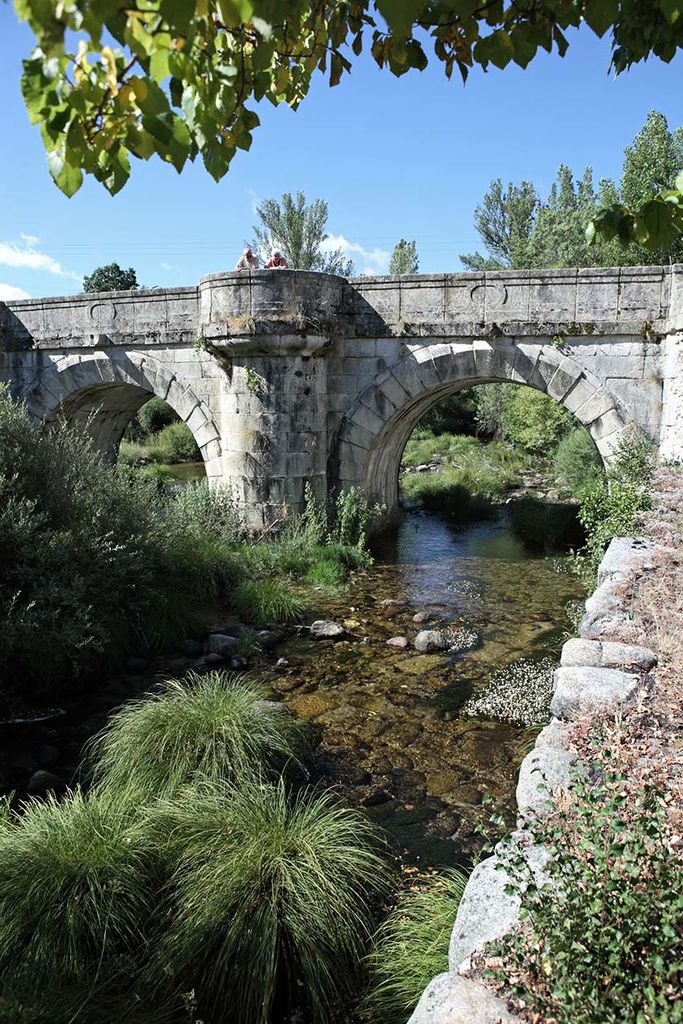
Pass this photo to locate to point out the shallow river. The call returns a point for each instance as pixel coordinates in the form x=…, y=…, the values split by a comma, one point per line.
x=393, y=733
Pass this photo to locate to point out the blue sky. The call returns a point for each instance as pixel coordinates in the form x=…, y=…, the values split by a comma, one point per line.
x=393, y=157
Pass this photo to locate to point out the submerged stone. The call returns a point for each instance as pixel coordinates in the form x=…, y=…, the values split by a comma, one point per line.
x=429, y=640
x=326, y=629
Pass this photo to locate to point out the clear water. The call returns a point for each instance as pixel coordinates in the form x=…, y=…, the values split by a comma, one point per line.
x=393, y=736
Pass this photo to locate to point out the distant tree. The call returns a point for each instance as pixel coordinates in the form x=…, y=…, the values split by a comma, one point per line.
x=522, y=231
x=298, y=231
x=111, y=278
x=504, y=220
x=404, y=259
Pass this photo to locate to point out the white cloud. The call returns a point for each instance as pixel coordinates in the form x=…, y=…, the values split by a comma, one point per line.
x=377, y=259
x=8, y=293
x=30, y=240
x=167, y=266
x=29, y=258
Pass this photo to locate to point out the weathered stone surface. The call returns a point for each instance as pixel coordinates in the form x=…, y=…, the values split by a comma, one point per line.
x=604, y=612
x=429, y=640
x=384, y=349
x=326, y=629
x=622, y=554
x=544, y=772
x=485, y=913
x=390, y=607
x=449, y=999
x=585, y=691
x=594, y=653
x=420, y=617
x=398, y=641
x=222, y=644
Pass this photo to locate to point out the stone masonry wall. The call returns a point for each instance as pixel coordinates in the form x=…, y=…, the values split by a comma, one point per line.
x=595, y=676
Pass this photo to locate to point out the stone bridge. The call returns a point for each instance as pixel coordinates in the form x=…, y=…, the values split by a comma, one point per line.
x=286, y=377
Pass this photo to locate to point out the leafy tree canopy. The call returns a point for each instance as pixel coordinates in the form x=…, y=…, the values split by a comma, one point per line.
x=110, y=278
x=298, y=231
x=178, y=78
x=404, y=259
x=522, y=230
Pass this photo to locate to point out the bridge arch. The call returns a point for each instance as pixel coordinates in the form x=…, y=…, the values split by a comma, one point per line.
x=369, y=442
x=103, y=393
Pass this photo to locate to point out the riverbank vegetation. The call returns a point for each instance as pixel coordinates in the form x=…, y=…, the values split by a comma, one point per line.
x=98, y=563
x=504, y=444
x=194, y=879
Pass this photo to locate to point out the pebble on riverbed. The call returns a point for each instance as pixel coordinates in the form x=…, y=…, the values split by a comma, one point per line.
x=519, y=693
x=398, y=641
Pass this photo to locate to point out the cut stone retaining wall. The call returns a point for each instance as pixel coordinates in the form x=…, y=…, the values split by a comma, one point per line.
x=596, y=675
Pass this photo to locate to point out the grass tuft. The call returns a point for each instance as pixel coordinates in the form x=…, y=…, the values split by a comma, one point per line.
x=218, y=726
x=267, y=600
x=411, y=947
x=273, y=901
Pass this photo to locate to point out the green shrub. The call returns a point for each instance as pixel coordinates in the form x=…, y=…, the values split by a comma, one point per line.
x=272, y=901
x=216, y=727
x=577, y=463
x=91, y=562
x=605, y=946
x=175, y=443
x=207, y=512
x=346, y=520
x=267, y=600
x=534, y=420
x=154, y=416
x=77, y=901
x=411, y=947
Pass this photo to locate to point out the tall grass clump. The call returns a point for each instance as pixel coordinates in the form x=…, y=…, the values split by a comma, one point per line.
x=273, y=902
x=214, y=727
x=267, y=600
x=411, y=946
x=77, y=900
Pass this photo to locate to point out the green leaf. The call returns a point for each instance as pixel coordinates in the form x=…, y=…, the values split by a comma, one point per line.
x=601, y=14
x=672, y=9
x=400, y=14
x=67, y=178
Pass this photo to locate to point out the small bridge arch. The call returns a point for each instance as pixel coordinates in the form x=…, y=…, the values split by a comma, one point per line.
x=371, y=436
x=102, y=394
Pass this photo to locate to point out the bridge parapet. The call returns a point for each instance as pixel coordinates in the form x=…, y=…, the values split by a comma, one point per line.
x=618, y=300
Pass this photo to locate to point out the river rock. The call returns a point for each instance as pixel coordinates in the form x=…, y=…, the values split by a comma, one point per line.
x=213, y=660
x=429, y=640
x=420, y=617
x=238, y=663
x=42, y=782
x=544, y=772
x=268, y=638
x=326, y=629
x=604, y=612
x=580, y=653
x=582, y=691
x=390, y=607
x=192, y=648
x=222, y=644
x=449, y=999
x=398, y=641
x=487, y=911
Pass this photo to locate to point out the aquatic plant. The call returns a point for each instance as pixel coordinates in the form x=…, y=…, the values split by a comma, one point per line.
x=411, y=946
x=272, y=901
x=520, y=693
x=218, y=726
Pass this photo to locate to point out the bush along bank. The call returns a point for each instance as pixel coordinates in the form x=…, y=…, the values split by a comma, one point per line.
x=576, y=918
x=69, y=522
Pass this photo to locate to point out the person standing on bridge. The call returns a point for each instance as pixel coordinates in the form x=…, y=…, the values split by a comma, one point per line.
x=277, y=261
x=247, y=261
